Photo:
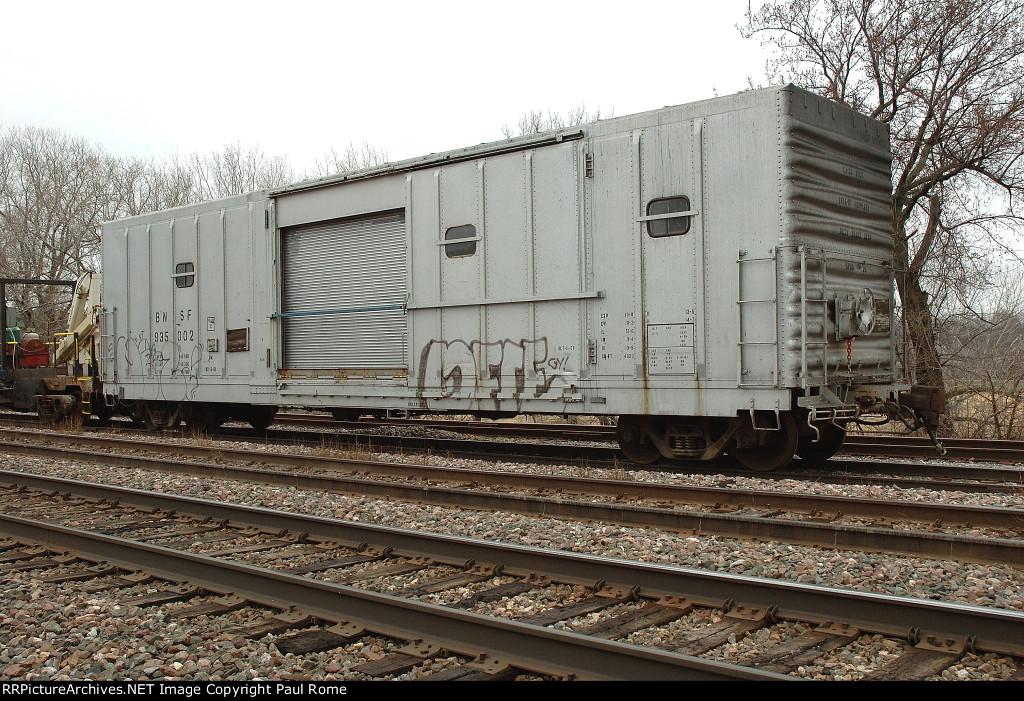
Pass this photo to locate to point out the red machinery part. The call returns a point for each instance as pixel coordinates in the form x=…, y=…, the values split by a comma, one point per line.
x=32, y=354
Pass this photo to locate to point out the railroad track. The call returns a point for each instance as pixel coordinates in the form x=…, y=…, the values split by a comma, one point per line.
x=507, y=429
x=856, y=443
x=959, y=476
x=592, y=445
x=330, y=580
x=847, y=469
x=810, y=519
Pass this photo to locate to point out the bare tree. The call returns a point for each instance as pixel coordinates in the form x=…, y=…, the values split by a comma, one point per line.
x=353, y=158
x=236, y=170
x=946, y=76
x=138, y=186
x=985, y=363
x=56, y=190
x=53, y=197
x=535, y=122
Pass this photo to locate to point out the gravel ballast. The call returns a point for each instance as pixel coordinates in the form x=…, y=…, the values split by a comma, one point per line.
x=52, y=632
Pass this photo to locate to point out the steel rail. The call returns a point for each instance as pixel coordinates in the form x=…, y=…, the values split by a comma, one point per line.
x=989, y=629
x=612, y=455
x=953, y=452
x=894, y=445
x=534, y=648
x=937, y=475
x=598, y=455
x=883, y=439
x=950, y=477
x=576, y=432
x=966, y=548
x=854, y=441
x=922, y=512
x=836, y=469
x=856, y=444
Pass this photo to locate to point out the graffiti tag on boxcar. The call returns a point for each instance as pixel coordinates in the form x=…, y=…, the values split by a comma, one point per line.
x=142, y=356
x=461, y=376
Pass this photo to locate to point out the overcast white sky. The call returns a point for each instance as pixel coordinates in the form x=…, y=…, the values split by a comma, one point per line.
x=298, y=78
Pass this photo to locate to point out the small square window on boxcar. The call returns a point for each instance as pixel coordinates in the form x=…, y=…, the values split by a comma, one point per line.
x=660, y=221
x=460, y=241
x=184, y=275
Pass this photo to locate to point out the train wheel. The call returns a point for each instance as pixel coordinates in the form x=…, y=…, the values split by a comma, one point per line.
x=260, y=417
x=160, y=416
x=101, y=411
x=74, y=419
x=635, y=440
x=137, y=420
x=147, y=416
x=340, y=414
x=205, y=418
x=765, y=451
x=829, y=443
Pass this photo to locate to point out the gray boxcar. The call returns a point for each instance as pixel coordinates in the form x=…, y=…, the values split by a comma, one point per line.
x=718, y=275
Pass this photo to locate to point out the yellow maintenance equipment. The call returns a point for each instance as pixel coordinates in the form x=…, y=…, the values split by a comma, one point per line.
x=83, y=321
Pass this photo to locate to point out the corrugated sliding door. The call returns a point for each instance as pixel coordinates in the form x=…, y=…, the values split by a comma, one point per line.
x=344, y=292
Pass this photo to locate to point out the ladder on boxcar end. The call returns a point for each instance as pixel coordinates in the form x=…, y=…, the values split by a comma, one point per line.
x=816, y=257
x=107, y=355
x=747, y=272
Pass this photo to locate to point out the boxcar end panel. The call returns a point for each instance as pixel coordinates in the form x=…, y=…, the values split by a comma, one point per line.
x=344, y=294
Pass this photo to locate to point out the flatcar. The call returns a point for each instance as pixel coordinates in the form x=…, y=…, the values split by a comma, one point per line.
x=718, y=275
